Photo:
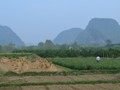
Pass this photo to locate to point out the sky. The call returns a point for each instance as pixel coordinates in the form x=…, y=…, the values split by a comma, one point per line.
x=38, y=20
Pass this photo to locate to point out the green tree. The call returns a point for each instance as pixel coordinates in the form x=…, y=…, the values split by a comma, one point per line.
x=75, y=46
x=40, y=45
x=48, y=45
x=64, y=47
x=8, y=48
x=108, y=43
x=0, y=48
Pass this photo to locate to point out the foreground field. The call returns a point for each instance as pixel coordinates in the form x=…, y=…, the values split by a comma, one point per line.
x=80, y=82
x=67, y=74
x=88, y=63
x=55, y=79
x=67, y=87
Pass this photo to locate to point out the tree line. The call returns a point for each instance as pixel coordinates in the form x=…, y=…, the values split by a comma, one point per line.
x=110, y=53
x=49, y=49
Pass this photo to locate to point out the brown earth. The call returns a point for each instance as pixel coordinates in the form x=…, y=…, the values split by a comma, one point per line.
x=67, y=87
x=26, y=64
x=41, y=79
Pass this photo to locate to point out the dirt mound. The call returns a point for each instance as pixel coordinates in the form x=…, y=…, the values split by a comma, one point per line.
x=26, y=64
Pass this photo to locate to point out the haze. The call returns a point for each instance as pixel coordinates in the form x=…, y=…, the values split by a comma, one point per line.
x=37, y=20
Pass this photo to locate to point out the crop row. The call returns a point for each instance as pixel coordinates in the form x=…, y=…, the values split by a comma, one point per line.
x=74, y=53
x=58, y=83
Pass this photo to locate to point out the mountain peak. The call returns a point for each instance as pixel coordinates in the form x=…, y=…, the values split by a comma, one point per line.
x=67, y=36
x=8, y=36
x=98, y=31
x=102, y=22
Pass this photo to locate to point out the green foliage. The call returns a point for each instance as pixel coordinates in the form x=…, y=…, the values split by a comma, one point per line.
x=108, y=42
x=58, y=83
x=62, y=73
x=14, y=55
x=113, y=53
x=88, y=63
x=48, y=45
x=8, y=48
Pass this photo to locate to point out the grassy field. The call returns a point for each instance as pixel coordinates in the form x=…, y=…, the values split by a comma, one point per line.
x=64, y=79
x=88, y=63
x=59, y=80
x=67, y=87
x=75, y=74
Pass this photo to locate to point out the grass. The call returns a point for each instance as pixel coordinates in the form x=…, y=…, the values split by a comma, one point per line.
x=14, y=55
x=58, y=83
x=70, y=66
x=63, y=68
x=61, y=73
x=87, y=63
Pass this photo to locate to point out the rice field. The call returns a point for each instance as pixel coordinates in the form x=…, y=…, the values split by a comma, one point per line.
x=55, y=79
x=78, y=74
x=88, y=63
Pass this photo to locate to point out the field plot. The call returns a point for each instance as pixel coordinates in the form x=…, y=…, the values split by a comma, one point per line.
x=67, y=87
x=58, y=73
x=41, y=79
x=88, y=63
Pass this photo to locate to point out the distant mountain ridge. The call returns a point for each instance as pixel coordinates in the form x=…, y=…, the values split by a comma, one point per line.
x=98, y=31
x=8, y=36
x=67, y=36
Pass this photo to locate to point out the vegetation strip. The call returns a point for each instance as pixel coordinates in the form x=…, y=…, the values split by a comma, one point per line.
x=82, y=52
x=64, y=73
x=59, y=83
x=14, y=55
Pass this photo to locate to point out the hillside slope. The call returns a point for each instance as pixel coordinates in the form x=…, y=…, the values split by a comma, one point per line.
x=67, y=36
x=99, y=30
x=8, y=36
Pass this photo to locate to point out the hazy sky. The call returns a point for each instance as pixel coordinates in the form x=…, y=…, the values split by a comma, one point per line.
x=37, y=20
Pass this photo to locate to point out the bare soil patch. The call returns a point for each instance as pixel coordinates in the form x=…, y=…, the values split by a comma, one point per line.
x=26, y=64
